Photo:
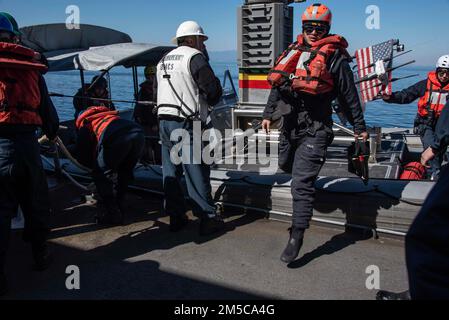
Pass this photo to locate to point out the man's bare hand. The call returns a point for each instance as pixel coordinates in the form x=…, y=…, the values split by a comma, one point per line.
x=427, y=156
x=266, y=124
x=44, y=139
x=364, y=136
x=386, y=97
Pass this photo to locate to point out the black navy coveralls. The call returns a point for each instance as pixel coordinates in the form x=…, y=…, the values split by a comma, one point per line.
x=427, y=242
x=424, y=127
x=118, y=151
x=307, y=133
x=22, y=177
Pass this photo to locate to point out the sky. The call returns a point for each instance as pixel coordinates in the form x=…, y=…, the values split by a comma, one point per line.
x=421, y=25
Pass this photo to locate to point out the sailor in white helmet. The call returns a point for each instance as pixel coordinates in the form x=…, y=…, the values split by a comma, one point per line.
x=433, y=94
x=187, y=88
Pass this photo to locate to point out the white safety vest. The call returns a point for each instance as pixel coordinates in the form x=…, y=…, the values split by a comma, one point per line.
x=177, y=71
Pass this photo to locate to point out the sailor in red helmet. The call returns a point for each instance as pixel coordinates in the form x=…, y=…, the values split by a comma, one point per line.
x=24, y=106
x=432, y=94
x=307, y=77
x=109, y=145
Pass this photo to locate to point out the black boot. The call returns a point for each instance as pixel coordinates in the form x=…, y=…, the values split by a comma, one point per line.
x=3, y=284
x=209, y=226
x=111, y=215
x=386, y=295
x=5, y=229
x=177, y=223
x=122, y=208
x=295, y=242
x=41, y=255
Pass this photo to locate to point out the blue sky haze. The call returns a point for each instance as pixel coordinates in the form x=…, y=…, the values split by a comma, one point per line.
x=422, y=25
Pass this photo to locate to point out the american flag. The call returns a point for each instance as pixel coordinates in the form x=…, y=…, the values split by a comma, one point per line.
x=366, y=60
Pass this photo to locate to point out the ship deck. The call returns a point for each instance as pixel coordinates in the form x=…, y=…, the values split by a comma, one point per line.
x=143, y=260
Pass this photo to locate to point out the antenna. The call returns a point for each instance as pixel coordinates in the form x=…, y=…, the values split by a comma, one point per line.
x=375, y=76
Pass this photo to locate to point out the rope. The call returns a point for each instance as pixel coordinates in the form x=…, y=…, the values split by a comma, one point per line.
x=147, y=103
x=69, y=156
x=68, y=176
x=65, y=151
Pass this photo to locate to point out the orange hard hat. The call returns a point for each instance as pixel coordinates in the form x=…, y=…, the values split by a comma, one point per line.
x=317, y=13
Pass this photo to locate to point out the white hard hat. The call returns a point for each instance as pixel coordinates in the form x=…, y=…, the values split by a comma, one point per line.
x=443, y=62
x=189, y=28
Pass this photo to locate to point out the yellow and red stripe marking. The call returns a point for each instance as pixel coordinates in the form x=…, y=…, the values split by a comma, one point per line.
x=253, y=81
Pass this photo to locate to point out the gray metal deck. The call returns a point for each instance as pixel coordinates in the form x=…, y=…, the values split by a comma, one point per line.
x=144, y=261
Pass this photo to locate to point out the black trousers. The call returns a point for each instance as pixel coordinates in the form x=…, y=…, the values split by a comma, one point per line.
x=152, y=152
x=22, y=182
x=427, y=135
x=427, y=245
x=120, y=155
x=303, y=157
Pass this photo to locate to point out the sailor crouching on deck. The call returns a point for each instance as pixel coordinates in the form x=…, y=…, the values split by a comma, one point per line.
x=312, y=73
x=433, y=94
x=109, y=145
x=187, y=86
x=24, y=106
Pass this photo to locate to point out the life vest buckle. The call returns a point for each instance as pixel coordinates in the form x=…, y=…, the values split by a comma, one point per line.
x=4, y=106
x=293, y=77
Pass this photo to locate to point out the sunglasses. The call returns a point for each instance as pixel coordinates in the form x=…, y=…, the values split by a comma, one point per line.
x=443, y=72
x=319, y=29
x=5, y=36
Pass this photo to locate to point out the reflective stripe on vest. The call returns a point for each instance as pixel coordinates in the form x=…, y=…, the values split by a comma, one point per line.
x=285, y=66
x=435, y=97
x=308, y=65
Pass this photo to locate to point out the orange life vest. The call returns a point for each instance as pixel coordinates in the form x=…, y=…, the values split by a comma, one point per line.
x=307, y=66
x=96, y=119
x=20, y=95
x=435, y=98
x=413, y=171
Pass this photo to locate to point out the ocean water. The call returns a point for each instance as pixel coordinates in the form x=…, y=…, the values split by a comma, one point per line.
x=377, y=113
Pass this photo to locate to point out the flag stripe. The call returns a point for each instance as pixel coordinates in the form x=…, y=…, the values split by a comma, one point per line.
x=362, y=75
x=360, y=64
x=373, y=70
x=359, y=73
x=367, y=71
